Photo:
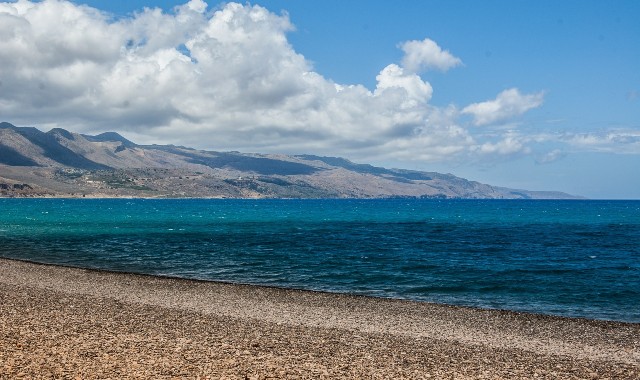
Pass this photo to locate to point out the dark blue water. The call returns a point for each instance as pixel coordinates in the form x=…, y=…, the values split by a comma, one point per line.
x=571, y=258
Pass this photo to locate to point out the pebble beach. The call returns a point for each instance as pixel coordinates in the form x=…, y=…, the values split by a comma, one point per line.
x=69, y=323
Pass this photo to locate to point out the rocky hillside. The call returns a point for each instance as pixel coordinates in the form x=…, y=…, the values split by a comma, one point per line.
x=66, y=164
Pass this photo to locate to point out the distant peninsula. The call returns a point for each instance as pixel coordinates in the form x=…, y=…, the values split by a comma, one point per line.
x=60, y=163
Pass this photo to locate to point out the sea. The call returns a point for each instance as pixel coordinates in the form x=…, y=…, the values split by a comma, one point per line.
x=577, y=258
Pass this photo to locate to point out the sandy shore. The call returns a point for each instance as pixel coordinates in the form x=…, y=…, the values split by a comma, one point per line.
x=72, y=323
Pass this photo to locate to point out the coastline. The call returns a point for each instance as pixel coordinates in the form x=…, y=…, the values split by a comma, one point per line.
x=57, y=321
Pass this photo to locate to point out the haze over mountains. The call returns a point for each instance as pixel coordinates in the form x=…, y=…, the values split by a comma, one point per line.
x=60, y=163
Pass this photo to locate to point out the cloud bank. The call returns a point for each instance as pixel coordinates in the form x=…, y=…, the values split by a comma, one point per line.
x=229, y=79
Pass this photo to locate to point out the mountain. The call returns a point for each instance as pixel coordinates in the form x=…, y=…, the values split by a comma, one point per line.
x=61, y=163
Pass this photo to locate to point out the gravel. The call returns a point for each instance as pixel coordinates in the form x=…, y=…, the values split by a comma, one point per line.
x=67, y=323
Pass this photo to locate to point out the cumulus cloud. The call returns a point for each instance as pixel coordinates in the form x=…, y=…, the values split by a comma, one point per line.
x=230, y=80
x=509, y=103
x=394, y=77
x=425, y=55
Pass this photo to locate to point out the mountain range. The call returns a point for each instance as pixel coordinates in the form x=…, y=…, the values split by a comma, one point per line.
x=60, y=163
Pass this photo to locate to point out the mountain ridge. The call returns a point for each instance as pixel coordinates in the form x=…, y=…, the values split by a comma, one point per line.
x=61, y=163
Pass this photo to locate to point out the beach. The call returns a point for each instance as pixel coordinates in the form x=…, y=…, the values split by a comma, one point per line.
x=59, y=322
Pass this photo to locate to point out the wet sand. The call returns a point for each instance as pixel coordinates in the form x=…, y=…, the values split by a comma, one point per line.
x=58, y=322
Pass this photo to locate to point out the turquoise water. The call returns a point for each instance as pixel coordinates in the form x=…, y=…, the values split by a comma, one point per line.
x=570, y=258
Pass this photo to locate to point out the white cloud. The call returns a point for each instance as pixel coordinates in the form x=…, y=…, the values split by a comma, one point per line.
x=414, y=89
x=551, y=156
x=425, y=55
x=197, y=6
x=230, y=80
x=612, y=141
x=509, y=103
x=222, y=80
x=509, y=145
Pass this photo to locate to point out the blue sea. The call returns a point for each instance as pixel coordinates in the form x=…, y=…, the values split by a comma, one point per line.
x=568, y=258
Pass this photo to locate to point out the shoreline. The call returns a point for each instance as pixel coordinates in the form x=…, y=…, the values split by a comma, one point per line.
x=59, y=321
x=321, y=292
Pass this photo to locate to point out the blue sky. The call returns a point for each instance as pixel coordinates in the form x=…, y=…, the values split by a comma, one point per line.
x=545, y=95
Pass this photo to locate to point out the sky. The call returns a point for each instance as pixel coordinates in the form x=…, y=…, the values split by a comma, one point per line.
x=539, y=95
